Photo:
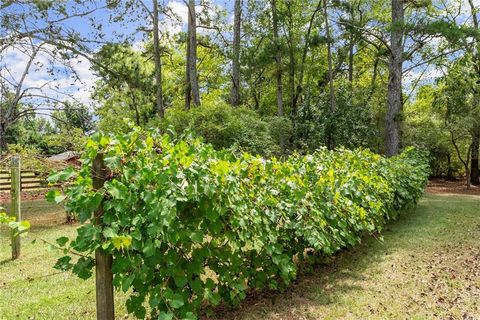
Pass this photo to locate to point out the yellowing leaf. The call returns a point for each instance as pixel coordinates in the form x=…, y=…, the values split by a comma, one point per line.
x=122, y=242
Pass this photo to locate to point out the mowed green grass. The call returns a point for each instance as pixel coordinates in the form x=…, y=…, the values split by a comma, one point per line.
x=427, y=267
x=29, y=287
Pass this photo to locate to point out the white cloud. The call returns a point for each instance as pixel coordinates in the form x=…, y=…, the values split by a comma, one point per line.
x=60, y=84
x=47, y=76
x=180, y=10
x=138, y=45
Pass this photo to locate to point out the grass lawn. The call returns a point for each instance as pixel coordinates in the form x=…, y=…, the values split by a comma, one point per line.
x=29, y=287
x=427, y=267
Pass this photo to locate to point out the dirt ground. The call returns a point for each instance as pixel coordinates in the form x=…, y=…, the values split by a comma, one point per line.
x=439, y=186
x=26, y=196
x=427, y=267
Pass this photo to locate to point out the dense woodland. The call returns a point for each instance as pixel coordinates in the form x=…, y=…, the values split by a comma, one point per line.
x=269, y=77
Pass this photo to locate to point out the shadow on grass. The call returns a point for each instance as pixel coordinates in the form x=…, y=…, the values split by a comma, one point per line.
x=5, y=261
x=320, y=287
x=343, y=276
x=42, y=227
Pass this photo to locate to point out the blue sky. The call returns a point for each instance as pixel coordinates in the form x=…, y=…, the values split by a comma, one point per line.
x=15, y=60
x=176, y=6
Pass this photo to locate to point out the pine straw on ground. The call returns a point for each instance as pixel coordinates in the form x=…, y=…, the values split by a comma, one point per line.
x=453, y=187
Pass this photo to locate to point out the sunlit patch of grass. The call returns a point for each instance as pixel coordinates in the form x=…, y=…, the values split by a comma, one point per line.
x=29, y=287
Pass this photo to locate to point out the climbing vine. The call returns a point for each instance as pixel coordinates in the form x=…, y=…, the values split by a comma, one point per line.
x=191, y=227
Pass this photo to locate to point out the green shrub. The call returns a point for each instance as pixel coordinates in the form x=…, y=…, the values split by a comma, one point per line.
x=189, y=226
x=224, y=127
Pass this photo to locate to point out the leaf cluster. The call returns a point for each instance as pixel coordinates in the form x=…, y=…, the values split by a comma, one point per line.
x=17, y=227
x=191, y=227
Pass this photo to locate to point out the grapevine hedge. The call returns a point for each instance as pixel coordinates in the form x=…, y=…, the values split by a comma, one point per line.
x=190, y=227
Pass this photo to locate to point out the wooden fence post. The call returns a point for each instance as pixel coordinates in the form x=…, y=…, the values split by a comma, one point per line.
x=15, y=206
x=103, y=267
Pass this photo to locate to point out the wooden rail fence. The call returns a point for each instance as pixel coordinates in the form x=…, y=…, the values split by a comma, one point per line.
x=29, y=180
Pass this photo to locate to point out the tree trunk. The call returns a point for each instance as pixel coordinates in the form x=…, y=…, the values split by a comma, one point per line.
x=466, y=161
x=351, y=47
x=467, y=173
x=350, y=60
x=394, y=94
x=278, y=73
x=3, y=140
x=291, y=74
x=158, y=62
x=103, y=260
x=449, y=167
x=467, y=168
x=474, y=169
x=278, y=59
x=374, y=81
x=301, y=67
x=235, y=99
x=192, y=54
x=332, y=104
x=292, y=65
x=188, y=89
x=135, y=109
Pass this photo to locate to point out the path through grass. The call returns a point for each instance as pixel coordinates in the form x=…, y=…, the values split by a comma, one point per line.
x=428, y=267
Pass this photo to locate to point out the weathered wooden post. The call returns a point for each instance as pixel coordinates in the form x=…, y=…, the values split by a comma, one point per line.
x=103, y=268
x=15, y=207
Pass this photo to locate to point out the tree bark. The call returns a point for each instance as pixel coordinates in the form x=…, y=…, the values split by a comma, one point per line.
x=158, y=62
x=235, y=95
x=3, y=139
x=188, y=88
x=474, y=168
x=278, y=73
x=135, y=109
x=394, y=94
x=103, y=260
x=350, y=60
x=332, y=103
x=192, y=53
x=292, y=65
x=466, y=161
x=299, y=89
x=278, y=59
x=449, y=167
x=16, y=205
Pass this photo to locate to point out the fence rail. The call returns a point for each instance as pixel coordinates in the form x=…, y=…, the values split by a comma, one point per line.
x=15, y=181
x=29, y=180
